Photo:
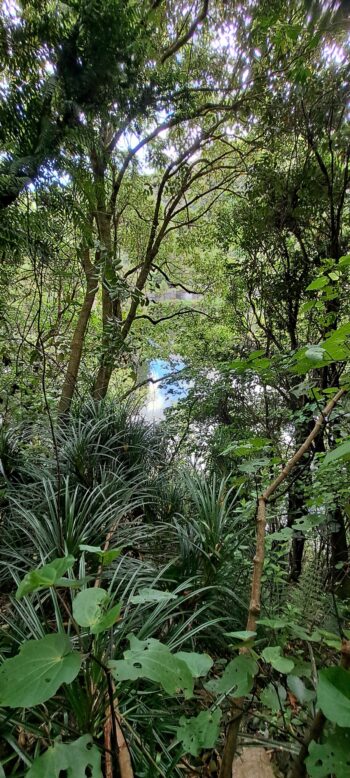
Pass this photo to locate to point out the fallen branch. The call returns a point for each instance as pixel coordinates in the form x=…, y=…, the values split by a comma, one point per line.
x=255, y=595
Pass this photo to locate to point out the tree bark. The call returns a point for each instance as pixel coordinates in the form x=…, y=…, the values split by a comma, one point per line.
x=77, y=344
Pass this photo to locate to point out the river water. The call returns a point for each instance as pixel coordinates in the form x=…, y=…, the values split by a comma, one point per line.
x=161, y=395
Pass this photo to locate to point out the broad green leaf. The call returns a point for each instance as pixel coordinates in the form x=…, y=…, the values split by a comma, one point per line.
x=333, y=695
x=151, y=595
x=72, y=758
x=273, y=698
x=107, y=620
x=40, y=668
x=88, y=606
x=301, y=633
x=152, y=660
x=344, y=261
x=236, y=679
x=45, y=576
x=331, y=639
x=245, y=634
x=199, y=664
x=273, y=623
x=106, y=557
x=331, y=757
x=315, y=353
x=297, y=686
x=318, y=283
x=272, y=655
x=199, y=732
x=341, y=452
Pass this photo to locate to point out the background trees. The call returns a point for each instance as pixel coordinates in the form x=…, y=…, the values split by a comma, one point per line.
x=174, y=215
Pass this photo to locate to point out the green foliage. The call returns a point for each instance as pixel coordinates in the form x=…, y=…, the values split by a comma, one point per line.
x=333, y=695
x=340, y=452
x=89, y=610
x=152, y=660
x=38, y=671
x=272, y=654
x=199, y=732
x=46, y=576
x=237, y=679
x=75, y=758
x=330, y=757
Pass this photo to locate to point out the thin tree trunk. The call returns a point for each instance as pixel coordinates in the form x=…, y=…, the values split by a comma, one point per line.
x=255, y=594
x=77, y=343
x=296, y=510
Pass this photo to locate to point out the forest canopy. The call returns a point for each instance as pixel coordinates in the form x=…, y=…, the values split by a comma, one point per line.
x=174, y=388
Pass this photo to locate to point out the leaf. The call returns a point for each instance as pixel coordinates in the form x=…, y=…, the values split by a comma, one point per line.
x=272, y=655
x=74, y=758
x=331, y=757
x=199, y=732
x=272, y=698
x=106, y=557
x=315, y=353
x=152, y=660
x=333, y=695
x=236, y=679
x=198, y=664
x=87, y=606
x=245, y=634
x=273, y=623
x=40, y=668
x=344, y=261
x=107, y=620
x=341, y=452
x=152, y=595
x=297, y=686
x=317, y=283
x=45, y=576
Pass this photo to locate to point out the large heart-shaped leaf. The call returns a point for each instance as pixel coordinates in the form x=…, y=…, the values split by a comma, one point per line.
x=199, y=664
x=236, y=679
x=89, y=610
x=88, y=606
x=199, y=732
x=72, y=758
x=333, y=695
x=45, y=576
x=272, y=655
x=40, y=668
x=152, y=660
x=331, y=757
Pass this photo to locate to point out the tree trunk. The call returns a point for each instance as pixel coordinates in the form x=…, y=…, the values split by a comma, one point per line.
x=296, y=510
x=77, y=344
x=339, y=554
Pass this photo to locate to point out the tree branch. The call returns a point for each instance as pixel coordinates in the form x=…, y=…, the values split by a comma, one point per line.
x=183, y=39
x=172, y=315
